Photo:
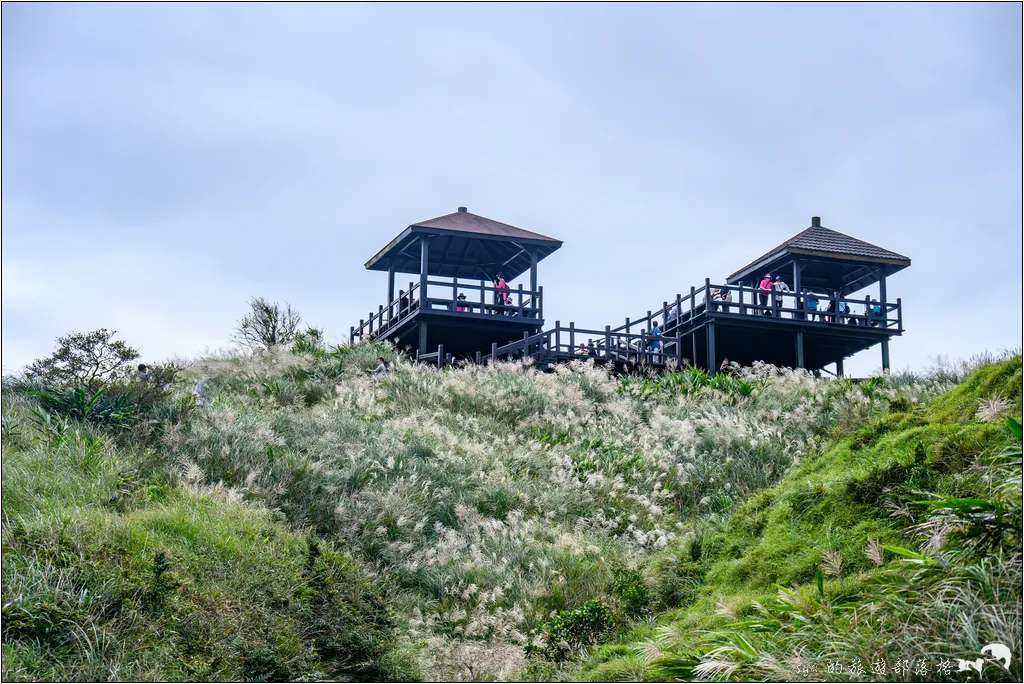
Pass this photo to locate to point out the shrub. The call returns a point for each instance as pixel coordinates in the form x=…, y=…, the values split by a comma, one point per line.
x=630, y=591
x=267, y=325
x=88, y=360
x=570, y=631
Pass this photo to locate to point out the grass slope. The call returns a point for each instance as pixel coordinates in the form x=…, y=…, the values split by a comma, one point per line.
x=112, y=572
x=833, y=513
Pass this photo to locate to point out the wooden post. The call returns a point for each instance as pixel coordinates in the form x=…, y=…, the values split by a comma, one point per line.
x=867, y=309
x=572, y=337
x=679, y=310
x=679, y=350
x=494, y=352
x=642, y=355
x=558, y=336
x=422, y=342
x=899, y=314
x=693, y=339
x=839, y=368
x=608, y=341
x=424, y=267
x=526, y=336
x=743, y=308
x=540, y=305
x=800, y=348
x=455, y=293
x=351, y=334
x=798, y=267
x=881, y=288
x=391, y=289
x=533, y=272
x=409, y=297
x=483, y=301
x=885, y=354
x=440, y=355
x=478, y=357
x=648, y=320
x=693, y=296
x=627, y=325
x=520, y=300
x=711, y=347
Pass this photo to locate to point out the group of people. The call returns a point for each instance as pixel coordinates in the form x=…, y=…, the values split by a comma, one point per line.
x=837, y=311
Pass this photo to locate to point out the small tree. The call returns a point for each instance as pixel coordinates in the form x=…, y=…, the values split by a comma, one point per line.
x=89, y=360
x=267, y=325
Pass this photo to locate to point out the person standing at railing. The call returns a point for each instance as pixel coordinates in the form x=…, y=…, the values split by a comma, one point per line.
x=812, y=307
x=875, y=313
x=460, y=304
x=724, y=296
x=780, y=287
x=766, y=286
x=501, y=292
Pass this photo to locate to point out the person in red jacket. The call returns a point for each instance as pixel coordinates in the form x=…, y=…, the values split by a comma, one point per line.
x=766, y=285
x=501, y=292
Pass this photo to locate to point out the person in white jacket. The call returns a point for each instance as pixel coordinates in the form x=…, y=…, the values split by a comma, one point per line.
x=779, y=286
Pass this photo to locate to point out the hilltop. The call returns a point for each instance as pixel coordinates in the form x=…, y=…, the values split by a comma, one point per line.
x=308, y=521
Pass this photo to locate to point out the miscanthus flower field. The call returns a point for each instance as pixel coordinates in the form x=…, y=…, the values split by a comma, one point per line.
x=298, y=518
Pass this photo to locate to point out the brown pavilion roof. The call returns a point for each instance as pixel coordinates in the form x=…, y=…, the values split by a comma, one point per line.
x=465, y=222
x=464, y=245
x=855, y=263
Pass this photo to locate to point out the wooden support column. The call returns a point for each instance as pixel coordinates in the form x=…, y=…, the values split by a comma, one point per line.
x=421, y=347
x=693, y=340
x=798, y=267
x=800, y=349
x=885, y=355
x=881, y=289
x=424, y=267
x=839, y=368
x=533, y=271
x=711, y=347
x=391, y=289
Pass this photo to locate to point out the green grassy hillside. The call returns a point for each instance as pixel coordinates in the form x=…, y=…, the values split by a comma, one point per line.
x=309, y=521
x=842, y=566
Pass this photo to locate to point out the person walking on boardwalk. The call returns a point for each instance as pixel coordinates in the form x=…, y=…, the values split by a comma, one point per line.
x=655, y=346
x=766, y=285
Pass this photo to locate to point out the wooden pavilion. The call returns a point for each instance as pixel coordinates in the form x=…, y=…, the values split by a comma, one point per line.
x=452, y=304
x=813, y=322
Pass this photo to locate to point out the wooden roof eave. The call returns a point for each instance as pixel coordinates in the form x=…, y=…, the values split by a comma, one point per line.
x=546, y=245
x=768, y=262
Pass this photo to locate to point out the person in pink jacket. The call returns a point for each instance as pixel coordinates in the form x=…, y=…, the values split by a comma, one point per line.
x=501, y=294
x=766, y=285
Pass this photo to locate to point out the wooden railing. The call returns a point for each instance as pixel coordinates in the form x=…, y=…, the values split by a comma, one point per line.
x=563, y=343
x=752, y=301
x=443, y=296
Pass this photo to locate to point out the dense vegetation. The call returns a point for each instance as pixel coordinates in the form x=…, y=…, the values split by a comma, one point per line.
x=305, y=520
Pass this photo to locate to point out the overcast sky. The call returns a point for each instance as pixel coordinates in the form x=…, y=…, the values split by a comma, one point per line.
x=164, y=163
